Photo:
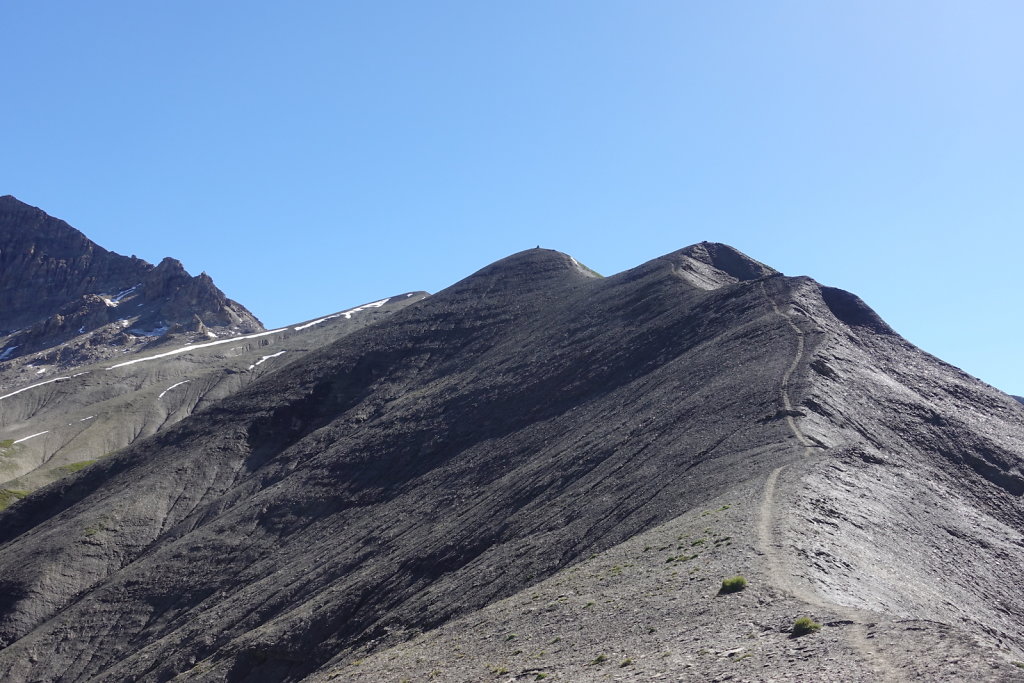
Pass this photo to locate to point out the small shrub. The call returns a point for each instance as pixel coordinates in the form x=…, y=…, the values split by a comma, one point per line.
x=7, y=443
x=600, y=659
x=805, y=625
x=734, y=584
x=625, y=663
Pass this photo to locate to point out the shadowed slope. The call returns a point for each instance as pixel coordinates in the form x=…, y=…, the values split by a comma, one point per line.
x=465, y=447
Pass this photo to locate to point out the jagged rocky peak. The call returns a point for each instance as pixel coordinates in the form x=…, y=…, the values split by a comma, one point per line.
x=45, y=263
x=58, y=286
x=190, y=297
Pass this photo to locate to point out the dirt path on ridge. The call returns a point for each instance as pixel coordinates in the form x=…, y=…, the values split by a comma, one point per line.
x=859, y=632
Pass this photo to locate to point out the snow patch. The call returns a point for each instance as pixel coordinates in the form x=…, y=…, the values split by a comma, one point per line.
x=172, y=386
x=33, y=386
x=32, y=436
x=156, y=332
x=265, y=358
x=113, y=301
x=5, y=354
x=40, y=371
x=87, y=418
x=193, y=347
x=347, y=314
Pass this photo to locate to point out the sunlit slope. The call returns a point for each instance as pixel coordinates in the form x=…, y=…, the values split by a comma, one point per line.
x=59, y=424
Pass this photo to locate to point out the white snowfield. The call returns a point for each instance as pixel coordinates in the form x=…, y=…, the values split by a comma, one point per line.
x=32, y=436
x=347, y=314
x=172, y=386
x=265, y=358
x=33, y=386
x=193, y=347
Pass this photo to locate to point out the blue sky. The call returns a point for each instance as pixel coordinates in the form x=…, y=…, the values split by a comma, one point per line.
x=313, y=156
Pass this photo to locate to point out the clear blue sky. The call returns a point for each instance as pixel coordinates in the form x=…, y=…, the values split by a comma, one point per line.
x=315, y=155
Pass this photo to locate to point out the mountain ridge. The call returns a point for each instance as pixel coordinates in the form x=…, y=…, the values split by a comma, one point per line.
x=493, y=437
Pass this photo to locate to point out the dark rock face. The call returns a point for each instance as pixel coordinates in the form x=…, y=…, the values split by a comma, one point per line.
x=45, y=264
x=57, y=285
x=504, y=430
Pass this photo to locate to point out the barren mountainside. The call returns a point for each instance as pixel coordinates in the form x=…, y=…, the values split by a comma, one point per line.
x=540, y=473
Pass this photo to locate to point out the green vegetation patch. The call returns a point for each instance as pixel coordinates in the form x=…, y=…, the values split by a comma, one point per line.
x=682, y=558
x=733, y=584
x=9, y=496
x=7, y=443
x=805, y=625
x=75, y=466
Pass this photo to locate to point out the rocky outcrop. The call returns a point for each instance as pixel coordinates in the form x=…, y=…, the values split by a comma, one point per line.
x=58, y=286
x=45, y=264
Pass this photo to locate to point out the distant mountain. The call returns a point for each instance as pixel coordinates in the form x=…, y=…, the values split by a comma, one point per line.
x=1019, y=398
x=542, y=473
x=100, y=363
x=67, y=296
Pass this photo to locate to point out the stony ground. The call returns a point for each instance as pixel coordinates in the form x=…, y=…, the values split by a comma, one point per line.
x=651, y=609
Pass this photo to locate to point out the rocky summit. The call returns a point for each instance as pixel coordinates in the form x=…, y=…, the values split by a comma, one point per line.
x=698, y=469
x=71, y=298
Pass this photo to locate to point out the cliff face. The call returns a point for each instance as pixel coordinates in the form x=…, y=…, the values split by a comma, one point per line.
x=59, y=287
x=46, y=264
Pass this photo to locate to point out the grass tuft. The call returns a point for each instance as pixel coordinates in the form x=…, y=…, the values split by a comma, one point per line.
x=805, y=625
x=734, y=584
